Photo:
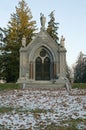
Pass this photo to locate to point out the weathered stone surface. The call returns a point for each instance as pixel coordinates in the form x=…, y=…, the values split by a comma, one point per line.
x=52, y=64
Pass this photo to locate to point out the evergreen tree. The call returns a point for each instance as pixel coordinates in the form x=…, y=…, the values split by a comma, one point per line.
x=80, y=69
x=20, y=24
x=1, y=35
x=53, y=27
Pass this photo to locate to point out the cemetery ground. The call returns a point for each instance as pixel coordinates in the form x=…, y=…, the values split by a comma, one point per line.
x=42, y=109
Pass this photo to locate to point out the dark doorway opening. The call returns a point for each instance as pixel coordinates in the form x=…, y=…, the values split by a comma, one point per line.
x=42, y=68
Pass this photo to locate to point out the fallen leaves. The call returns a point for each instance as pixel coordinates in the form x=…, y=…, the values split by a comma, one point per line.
x=34, y=108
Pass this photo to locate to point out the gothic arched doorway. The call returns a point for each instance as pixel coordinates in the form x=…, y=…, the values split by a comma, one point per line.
x=42, y=68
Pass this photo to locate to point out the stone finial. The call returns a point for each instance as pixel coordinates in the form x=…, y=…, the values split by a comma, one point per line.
x=23, y=41
x=42, y=20
x=62, y=41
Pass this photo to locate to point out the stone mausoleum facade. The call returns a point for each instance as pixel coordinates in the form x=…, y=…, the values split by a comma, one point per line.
x=43, y=60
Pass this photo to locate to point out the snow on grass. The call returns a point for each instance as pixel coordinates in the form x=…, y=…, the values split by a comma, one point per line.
x=25, y=109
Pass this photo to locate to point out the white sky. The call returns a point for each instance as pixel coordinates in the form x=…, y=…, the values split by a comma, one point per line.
x=71, y=14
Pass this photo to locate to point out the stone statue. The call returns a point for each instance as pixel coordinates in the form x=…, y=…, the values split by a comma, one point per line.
x=42, y=20
x=23, y=41
x=62, y=43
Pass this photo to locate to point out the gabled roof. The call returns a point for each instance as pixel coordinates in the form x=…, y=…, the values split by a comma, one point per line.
x=43, y=37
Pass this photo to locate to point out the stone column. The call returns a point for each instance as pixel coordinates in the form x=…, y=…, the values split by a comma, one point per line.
x=31, y=70
x=54, y=70
x=63, y=64
x=23, y=65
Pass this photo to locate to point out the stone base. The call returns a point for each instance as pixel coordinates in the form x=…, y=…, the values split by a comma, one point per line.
x=59, y=83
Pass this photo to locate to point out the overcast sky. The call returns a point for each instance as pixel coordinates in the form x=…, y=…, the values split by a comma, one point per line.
x=71, y=14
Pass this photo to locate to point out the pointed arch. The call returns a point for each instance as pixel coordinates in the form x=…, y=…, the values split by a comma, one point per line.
x=42, y=68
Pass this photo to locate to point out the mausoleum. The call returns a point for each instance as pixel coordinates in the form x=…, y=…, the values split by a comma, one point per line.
x=42, y=60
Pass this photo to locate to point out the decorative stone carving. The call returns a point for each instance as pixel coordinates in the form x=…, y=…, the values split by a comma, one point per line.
x=23, y=41
x=52, y=55
x=42, y=20
x=62, y=43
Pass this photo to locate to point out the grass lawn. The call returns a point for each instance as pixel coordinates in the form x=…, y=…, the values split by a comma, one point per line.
x=64, y=124
x=9, y=86
x=13, y=86
x=67, y=125
x=79, y=85
x=72, y=124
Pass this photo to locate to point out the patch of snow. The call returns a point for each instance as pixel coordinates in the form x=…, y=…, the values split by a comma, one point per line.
x=58, y=105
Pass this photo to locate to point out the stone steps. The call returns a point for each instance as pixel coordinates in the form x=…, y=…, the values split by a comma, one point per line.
x=43, y=85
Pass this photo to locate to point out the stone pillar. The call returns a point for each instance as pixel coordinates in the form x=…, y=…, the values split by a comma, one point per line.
x=54, y=70
x=63, y=63
x=31, y=70
x=23, y=65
